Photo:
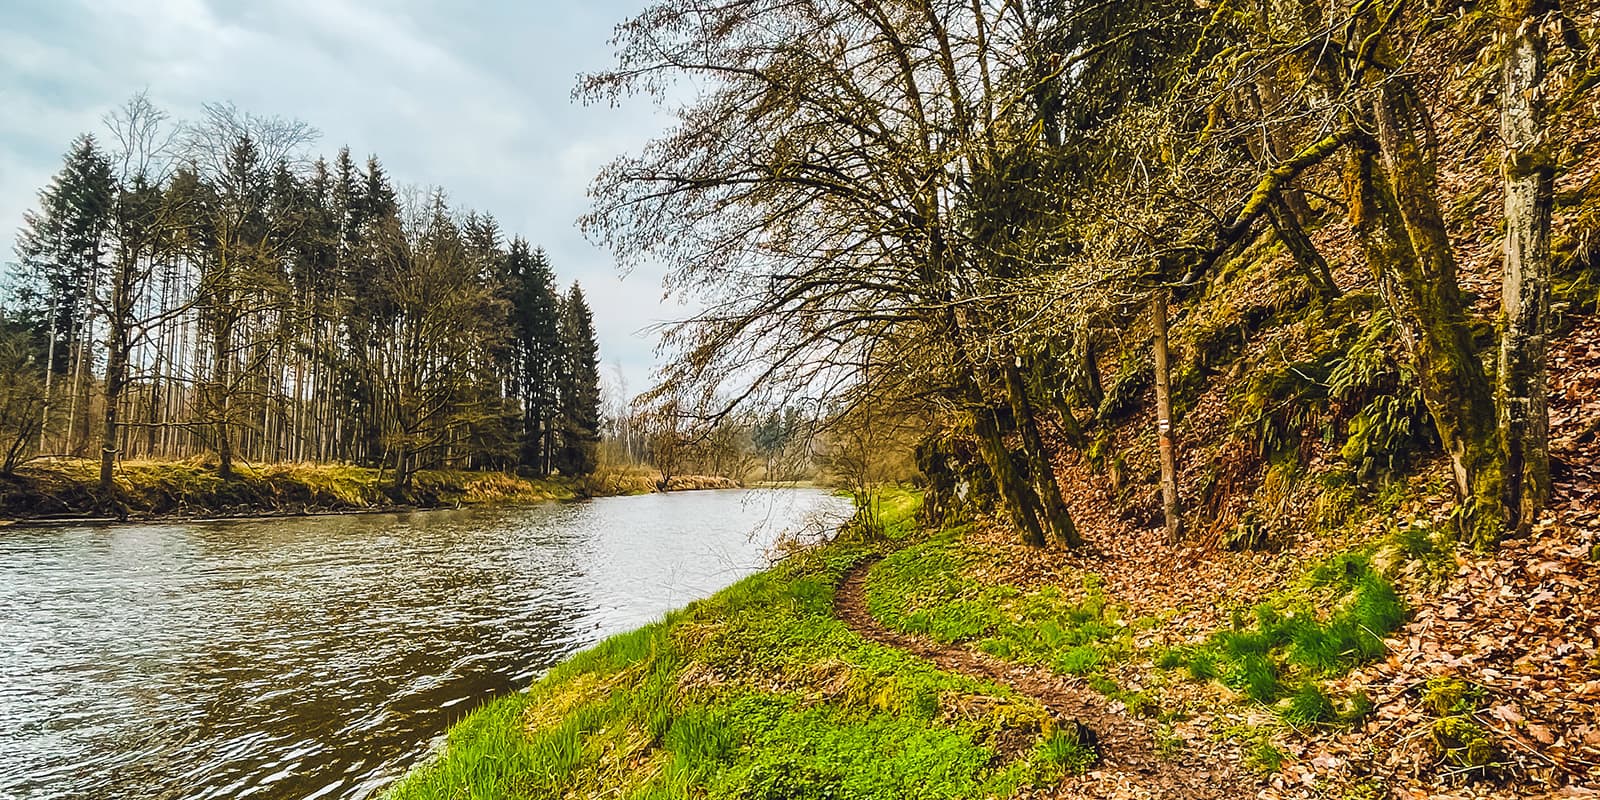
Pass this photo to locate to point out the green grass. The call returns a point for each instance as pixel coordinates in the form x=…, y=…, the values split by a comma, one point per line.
x=757, y=692
x=933, y=589
x=1334, y=619
x=927, y=589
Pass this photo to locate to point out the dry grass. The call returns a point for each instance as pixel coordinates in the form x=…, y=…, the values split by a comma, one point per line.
x=69, y=488
x=631, y=480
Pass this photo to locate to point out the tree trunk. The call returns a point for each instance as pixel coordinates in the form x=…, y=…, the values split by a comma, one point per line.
x=49, y=372
x=1054, y=516
x=1286, y=223
x=79, y=391
x=1524, y=418
x=116, y=381
x=1015, y=495
x=402, y=473
x=1397, y=217
x=218, y=401
x=1164, y=442
x=108, y=443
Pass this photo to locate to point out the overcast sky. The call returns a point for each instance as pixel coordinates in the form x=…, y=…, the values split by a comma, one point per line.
x=470, y=96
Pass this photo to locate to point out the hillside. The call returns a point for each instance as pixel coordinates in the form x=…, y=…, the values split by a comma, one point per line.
x=1290, y=224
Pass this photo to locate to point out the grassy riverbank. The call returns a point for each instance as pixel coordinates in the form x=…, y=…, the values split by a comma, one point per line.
x=757, y=692
x=145, y=489
x=1244, y=674
x=632, y=480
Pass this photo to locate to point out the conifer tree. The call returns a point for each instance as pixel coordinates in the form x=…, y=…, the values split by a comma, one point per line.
x=535, y=323
x=61, y=249
x=579, y=422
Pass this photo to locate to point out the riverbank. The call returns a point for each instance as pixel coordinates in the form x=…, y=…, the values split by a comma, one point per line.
x=761, y=691
x=956, y=663
x=330, y=649
x=68, y=489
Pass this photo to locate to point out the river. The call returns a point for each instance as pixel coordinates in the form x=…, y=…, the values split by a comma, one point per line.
x=321, y=657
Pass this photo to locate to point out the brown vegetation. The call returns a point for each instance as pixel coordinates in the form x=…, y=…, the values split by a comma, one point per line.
x=144, y=489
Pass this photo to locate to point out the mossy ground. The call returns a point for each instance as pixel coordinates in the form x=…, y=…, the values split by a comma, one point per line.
x=757, y=692
x=1279, y=661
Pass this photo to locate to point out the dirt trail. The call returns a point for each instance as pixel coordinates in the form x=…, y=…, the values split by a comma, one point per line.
x=1130, y=766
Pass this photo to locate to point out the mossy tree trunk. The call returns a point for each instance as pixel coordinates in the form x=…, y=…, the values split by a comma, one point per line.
x=116, y=382
x=1086, y=373
x=218, y=393
x=1009, y=484
x=1055, y=518
x=1286, y=223
x=1396, y=214
x=404, y=469
x=1050, y=384
x=1529, y=172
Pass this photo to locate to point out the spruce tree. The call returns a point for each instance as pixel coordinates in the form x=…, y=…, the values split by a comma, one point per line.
x=579, y=423
x=536, y=325
x=62, y=248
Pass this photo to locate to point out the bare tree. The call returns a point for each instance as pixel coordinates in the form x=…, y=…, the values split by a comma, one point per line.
x=143, y=163
x=813, y=197
x=233, y=153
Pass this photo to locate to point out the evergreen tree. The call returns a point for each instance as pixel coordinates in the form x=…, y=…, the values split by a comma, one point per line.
x=62, y=249
x=62, y=243
x=579, y=422
x=535, y=323
x=495, y=438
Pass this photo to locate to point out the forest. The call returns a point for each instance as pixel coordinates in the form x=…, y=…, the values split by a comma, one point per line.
x=1250, y=353
x=1217, y=383
x=970, y=212
x=208, y=290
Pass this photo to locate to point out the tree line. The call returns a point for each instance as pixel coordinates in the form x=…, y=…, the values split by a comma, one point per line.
x=958, y=208
x=207, y=288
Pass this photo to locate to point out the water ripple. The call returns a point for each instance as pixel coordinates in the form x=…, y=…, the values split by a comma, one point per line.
x=319, y=657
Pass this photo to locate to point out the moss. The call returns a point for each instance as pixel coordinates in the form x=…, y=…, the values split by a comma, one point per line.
x=1125, y=392
x=1266, y=757
x=1460, y=742
x=1446, y=696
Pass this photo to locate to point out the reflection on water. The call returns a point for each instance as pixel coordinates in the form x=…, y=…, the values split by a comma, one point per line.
x=318, y=657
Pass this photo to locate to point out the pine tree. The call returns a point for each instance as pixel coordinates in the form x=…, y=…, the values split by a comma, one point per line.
x=62, y=248
x=579, y=422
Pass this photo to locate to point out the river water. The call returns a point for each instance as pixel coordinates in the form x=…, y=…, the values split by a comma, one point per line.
x=320, y=657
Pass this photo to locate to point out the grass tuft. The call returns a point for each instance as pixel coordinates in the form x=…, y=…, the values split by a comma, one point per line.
x=1288, y=643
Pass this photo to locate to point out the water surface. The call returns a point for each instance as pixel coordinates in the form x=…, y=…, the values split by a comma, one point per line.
x=319, y=657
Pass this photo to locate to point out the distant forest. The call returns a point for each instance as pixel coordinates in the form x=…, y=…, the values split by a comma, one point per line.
x=209, y=289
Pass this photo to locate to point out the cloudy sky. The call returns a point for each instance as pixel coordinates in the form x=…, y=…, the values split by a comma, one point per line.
x=470, y=96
